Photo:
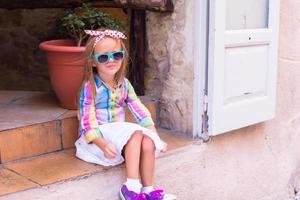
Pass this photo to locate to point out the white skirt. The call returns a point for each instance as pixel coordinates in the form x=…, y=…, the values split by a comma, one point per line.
x=118, y=134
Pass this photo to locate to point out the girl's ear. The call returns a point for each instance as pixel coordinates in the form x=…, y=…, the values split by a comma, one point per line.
x=94, y=64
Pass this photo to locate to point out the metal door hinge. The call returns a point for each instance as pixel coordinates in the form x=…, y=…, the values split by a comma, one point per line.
x=205, y=103
x=204, y=133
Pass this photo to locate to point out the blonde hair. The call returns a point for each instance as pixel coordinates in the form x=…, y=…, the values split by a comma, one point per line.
x=90, y=70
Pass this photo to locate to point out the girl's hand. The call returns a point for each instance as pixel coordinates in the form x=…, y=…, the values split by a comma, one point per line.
x=109, y=151
x=165, y=147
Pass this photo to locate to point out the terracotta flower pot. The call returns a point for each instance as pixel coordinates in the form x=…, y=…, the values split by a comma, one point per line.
x=66, y=68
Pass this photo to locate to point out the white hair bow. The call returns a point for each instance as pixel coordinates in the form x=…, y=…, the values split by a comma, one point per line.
x=102, y=34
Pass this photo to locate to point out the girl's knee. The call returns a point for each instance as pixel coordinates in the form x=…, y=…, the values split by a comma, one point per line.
x=147, y=144
x=137, y=136
x=135, y=140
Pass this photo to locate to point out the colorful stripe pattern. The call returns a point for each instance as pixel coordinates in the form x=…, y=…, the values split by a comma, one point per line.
x=108, y=106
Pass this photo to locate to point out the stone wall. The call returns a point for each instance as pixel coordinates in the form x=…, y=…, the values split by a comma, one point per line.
x=169, y=72
x=23, y=66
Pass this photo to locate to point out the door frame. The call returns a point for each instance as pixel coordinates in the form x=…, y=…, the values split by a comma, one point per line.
x=201, y=17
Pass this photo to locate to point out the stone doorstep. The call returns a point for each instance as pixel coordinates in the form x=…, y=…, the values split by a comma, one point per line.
x=56, y=134
x=46, y=169
x=36, y=143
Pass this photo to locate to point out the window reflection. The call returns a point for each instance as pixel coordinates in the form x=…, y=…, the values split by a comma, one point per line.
x=246, y=14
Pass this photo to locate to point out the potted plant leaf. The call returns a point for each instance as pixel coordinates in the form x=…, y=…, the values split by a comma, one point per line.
x=65, y=57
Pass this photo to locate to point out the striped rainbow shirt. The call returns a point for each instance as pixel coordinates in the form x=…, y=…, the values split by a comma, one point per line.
x=108, y=106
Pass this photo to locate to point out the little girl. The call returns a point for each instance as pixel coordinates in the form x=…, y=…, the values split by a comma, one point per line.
x=105, y=138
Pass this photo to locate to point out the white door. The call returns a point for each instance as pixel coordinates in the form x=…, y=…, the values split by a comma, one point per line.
x=242, y=63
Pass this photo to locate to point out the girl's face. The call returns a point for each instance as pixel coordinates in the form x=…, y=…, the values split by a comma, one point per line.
x=108, y=45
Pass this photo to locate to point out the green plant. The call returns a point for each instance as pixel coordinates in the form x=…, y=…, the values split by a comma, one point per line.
x=86, y=17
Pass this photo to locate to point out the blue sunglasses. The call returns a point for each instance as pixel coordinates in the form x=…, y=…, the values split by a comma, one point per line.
x=105, y=57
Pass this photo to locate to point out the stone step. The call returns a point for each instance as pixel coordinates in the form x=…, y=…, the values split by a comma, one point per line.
x=41, y=175
x=32, y=123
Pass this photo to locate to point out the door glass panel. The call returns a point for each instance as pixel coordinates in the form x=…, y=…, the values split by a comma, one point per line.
x=246, y=14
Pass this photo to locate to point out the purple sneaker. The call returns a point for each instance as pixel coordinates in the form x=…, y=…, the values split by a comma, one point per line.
x=130, y=195
x=157, y=194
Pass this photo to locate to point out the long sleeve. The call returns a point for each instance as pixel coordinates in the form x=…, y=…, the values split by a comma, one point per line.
x=137, y=108
x=88, y=121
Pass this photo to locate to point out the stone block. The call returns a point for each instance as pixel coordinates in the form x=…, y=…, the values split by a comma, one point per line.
x=30, y=141
x=69, y=131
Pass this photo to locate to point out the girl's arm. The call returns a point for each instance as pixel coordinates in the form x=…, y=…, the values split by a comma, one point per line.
x=108, y=149
x=88, y=122
x=165, y=145
x=152, y=128
x=139, y=110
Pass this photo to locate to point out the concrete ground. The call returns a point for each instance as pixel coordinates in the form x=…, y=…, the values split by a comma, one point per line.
x=185, y=172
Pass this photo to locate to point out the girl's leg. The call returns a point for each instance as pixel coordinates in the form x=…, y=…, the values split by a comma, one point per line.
x=132, y=155
x=147, y=161
x=132, y=187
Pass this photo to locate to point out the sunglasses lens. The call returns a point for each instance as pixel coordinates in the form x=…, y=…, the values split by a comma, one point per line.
x=118, y=56
x=103, y=58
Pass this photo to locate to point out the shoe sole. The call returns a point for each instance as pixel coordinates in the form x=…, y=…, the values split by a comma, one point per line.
x=169, y=197
x=121, y=195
